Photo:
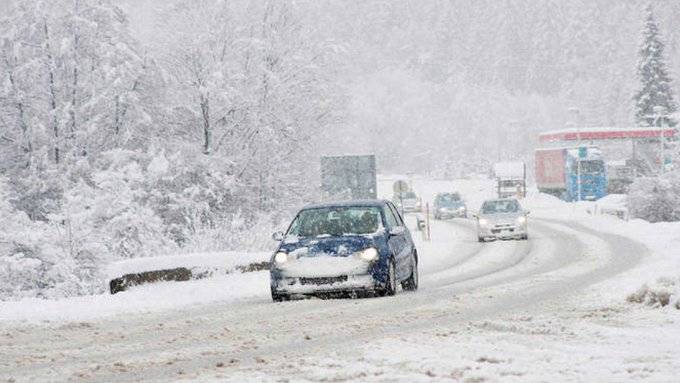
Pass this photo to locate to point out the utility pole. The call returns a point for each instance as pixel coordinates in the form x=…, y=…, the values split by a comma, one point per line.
x=660, y=121
x=576, y=115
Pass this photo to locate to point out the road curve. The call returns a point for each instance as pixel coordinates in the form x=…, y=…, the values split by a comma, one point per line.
x=460, y=282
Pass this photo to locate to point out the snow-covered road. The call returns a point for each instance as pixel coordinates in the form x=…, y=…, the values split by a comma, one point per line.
x=466, y=288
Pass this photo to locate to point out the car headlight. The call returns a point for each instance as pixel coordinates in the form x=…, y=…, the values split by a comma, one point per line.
x=369, y=255
x=483, y=222
x=281, y=257
x=521, y=219
x=442, y=209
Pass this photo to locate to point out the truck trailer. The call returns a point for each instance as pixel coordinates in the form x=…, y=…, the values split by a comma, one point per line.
x=571, y=174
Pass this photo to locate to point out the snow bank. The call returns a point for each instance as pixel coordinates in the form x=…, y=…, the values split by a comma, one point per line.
x=229, y=289
x=654, y=282
x=613, y=204
x=219, y=287
x=224, y=260
x=663, y=292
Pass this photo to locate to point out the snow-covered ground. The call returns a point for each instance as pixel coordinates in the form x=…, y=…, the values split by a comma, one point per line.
x=552, y=308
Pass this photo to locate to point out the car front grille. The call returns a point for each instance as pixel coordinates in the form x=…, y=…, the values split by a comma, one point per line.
x=323, y=281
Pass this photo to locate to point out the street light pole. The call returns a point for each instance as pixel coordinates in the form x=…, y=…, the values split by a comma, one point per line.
x=660, y=121
x=576, y=116
x=578, y=169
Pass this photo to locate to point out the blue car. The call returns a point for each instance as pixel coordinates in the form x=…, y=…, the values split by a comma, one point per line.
x=356, y=247
x=449, y=205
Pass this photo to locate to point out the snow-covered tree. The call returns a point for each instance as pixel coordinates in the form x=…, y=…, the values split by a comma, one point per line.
x=199, y=50
x=656, y=89
x=656, y=199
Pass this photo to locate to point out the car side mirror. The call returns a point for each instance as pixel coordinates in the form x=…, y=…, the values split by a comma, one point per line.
x=475, y=216
x=397, y=230
x=278, y=236
x=527, y=212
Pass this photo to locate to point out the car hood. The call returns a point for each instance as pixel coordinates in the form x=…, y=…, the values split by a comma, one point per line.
x=452, y=205
x=501, y=217
x=343, y=246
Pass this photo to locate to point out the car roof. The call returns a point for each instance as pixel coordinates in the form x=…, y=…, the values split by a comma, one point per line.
x=447, y=193
x=350, y=203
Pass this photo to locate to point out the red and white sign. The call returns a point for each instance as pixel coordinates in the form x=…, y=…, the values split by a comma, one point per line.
x=588, y=134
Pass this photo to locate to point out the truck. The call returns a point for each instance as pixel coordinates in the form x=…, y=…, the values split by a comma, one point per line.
x=348, y=177
x=559, y=170
x=511, y=179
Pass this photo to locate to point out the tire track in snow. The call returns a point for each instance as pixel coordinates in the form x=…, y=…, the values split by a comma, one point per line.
x=193, y=339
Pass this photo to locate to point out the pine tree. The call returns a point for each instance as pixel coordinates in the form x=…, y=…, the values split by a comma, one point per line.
x=656, y=83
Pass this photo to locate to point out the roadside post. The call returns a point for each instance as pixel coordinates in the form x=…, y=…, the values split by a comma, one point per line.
x=582, y=155
x=427, y=220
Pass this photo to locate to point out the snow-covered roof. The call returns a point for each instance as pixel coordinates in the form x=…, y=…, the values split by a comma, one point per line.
x=509, y=169
x=570, y=147
x=360, y=202
x=605, y=133
x=222, y=259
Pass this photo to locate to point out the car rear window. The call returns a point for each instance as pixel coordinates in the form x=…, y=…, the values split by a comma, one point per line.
x=336, y=221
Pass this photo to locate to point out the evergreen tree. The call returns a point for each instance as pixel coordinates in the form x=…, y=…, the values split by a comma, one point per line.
x=656, y=83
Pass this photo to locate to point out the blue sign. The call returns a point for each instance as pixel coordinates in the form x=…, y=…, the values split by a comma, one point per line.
x=583, y=152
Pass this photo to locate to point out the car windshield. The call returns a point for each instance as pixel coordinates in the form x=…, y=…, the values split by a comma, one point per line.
x=500, y=206
x=449, y=199
x=336, y=221
x=592, y=166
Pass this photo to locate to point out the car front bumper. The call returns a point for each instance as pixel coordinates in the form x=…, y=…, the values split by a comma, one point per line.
x=504, y=231
x=452, y=213
x=322, y=285
x=325, y=274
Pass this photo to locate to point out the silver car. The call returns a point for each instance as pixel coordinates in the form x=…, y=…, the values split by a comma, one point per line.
x=408, y=202
x=502, y=219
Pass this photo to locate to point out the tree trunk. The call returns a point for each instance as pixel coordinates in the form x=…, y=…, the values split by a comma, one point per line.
x=53, y=94
x=121, y=110
x=116, y=117
x=21, y=115
x=205, y=113
x=74, y=91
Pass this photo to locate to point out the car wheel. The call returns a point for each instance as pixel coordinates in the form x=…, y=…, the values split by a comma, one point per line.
x=276, y=297
x=525, y=237
x=411, y=284
x=480, y=239
x=391, y=281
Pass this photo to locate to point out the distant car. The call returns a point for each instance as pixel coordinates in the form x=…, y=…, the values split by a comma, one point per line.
x=449, y=205
x=408, y=202
x=358, y=247
x=503, y=219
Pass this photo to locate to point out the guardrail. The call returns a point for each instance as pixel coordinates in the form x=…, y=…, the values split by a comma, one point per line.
x=178, y=274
